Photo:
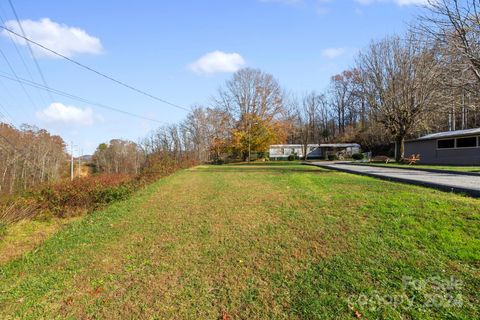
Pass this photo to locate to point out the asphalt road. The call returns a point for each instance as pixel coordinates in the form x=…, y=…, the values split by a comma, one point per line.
x=444, y=181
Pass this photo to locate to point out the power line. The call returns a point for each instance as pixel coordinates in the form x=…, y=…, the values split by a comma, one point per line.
x=75, y=97
x=16, y=49
x=3, y=116
x=16, y=76
x=19, y=53
x=6, y=113
x=96, y=72
x=30, y=48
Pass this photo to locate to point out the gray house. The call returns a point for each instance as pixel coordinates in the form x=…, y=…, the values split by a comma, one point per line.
x=461, y=147
x=314, y=151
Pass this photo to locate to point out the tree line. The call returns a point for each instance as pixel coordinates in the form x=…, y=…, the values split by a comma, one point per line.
x=29, y=156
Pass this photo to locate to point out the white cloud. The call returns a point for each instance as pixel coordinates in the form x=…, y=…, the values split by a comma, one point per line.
x=60, y=113
x=66, y=40
x=332, y=53
x=217, y=62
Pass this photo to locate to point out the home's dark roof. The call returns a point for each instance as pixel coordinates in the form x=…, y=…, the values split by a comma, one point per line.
x=449, y=134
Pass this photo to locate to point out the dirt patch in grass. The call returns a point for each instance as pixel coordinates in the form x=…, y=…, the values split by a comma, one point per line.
x=24, y=236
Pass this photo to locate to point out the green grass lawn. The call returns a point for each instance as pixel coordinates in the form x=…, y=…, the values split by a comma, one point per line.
x=474, y=169
x=258, y=242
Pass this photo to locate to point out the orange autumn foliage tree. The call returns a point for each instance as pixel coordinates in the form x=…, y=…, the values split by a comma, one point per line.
x=258, y=134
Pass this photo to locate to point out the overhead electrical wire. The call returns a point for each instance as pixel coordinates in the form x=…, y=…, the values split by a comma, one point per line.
x=50, y=90
x=16, y=76
x=74, y=97
x=6, y=114
x=3, y=117
x=30, y=48
x=17, y=49
x=95, y=71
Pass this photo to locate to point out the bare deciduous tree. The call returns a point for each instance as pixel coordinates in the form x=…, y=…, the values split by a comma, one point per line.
x=308, y=120
x=119, y=156
x=28, y=157
x=251, y=92
x=344, y=97
x=454, y=26
x=399, y=83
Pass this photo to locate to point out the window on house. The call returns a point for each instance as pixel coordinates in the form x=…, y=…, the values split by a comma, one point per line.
x=446, y=144
x=469, y=142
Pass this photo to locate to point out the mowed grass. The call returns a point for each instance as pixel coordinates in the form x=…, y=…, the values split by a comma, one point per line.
x=258, y=242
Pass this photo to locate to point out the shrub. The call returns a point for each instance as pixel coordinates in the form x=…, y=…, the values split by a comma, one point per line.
x=16, y=209
x=69, y=198
x=291, y=157
x=112, y=194
x=332, y=157
x=44, y=215
x=85, y=194
x=358, y=156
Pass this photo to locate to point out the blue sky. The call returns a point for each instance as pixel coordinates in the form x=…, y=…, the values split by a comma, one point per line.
x=181, y=51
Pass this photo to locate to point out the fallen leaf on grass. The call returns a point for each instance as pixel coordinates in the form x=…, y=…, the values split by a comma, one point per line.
x=96, y=292
x=357, y=314
x=225, y=316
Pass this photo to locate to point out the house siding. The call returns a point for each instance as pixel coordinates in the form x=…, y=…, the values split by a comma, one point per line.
x=279, y=153
x=429, y=154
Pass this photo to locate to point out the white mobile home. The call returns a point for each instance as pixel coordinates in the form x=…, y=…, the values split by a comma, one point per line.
x=314, y=151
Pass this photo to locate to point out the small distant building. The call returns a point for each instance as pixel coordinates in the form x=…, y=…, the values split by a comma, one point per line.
x=461, y=147
x=314, y=151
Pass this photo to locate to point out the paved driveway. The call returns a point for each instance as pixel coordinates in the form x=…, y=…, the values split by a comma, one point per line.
x=444, y=181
